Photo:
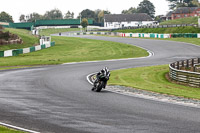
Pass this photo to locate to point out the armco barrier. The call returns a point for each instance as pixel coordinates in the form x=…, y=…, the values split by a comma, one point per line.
x=177, y=72
x=16, y=52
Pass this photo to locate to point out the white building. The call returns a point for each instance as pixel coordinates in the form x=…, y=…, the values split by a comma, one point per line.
x=127, y=20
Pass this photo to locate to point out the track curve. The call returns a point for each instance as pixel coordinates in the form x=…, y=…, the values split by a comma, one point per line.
x=58, y=99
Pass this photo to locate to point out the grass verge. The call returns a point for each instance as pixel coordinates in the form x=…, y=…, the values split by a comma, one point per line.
x=152, y=79
x=195, y=41
x=7, y=130
x=75, y=50
x=48, y=32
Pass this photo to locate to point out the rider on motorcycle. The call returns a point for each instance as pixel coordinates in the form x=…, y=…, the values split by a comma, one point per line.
x=103, y=72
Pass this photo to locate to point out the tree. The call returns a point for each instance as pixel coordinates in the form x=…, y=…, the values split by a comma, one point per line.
x=146, y=7
x=53, y=14
x=182, y=3
x=100, y=16
x=69, y=15
x=34, y=16
x=159, y=18
x=107, y=12
x=22, y=18
x=84, y=23
x=30, y=18
x=196, y=3
x=130, y=11
x=89, y=14
x=97, y=13
x=5, y=17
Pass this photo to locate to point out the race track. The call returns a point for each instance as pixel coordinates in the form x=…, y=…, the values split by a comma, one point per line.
x=58, y=99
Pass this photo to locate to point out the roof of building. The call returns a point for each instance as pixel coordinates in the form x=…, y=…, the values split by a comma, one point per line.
x=169, y=14
x=185, y=9
x=127, y=17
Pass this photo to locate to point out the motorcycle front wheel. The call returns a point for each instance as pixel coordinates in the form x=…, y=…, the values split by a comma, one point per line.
x=99, y=86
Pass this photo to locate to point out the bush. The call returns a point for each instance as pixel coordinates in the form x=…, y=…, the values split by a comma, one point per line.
x=5, y=36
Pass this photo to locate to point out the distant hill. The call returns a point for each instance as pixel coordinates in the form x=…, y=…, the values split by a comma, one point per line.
x=188, y=20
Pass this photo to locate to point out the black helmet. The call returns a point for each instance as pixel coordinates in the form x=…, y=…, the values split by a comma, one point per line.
x=102, y=70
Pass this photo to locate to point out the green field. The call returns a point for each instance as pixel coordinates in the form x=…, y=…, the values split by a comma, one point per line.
x=48, y=32
x=188, y=29
x=188, y=20
x=152, y=79
x=6, y=130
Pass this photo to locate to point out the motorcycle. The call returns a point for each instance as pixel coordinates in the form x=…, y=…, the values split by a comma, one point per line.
x=101, y=83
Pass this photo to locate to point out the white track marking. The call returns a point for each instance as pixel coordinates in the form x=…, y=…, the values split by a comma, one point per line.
x=18, y=128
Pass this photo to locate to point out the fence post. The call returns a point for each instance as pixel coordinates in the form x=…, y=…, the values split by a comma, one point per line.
x=173, y=65
x=178, y=65
x=192, y=62
x=183, y=63
x=187, y=63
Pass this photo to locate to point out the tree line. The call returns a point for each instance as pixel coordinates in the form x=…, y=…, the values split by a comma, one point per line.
x=147, y=7
x=96, y=15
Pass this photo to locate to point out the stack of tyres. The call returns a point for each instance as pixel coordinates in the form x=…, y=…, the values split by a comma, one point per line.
x=184, y=35
x=1, y=53
x=194, y=35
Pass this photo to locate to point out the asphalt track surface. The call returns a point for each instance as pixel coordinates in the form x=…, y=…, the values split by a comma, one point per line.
x=58, y=99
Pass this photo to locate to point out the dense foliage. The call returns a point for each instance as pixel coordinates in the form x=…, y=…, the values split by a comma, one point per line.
x=183, y=3
x=144, y=7
x=5, y=17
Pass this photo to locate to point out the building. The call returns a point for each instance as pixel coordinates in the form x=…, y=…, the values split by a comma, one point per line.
x=169, y=15
x=127, y=20
x=183, y=12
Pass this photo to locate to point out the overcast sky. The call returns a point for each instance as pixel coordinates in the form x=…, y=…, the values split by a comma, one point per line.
x=17, y=7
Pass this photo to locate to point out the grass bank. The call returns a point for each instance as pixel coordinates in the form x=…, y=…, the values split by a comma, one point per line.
x=188, y=20
x=7, y=130
x=75, y=50
x=28, y=39
x=152, y=79
x=188, y=29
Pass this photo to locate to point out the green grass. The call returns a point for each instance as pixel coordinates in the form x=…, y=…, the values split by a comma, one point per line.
x=47, y=32
x=28, y=39
x=188, y=20
x=7, y=130
x=188, y=29
x=75, y=50
x=195, y=41
x=152, y=79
